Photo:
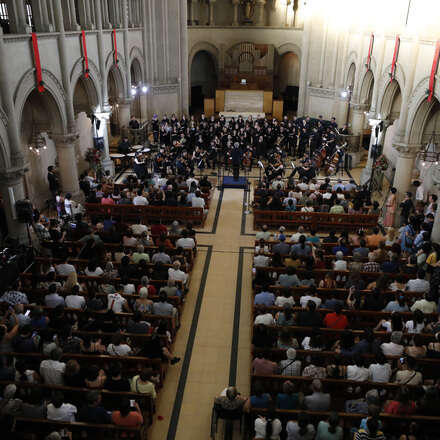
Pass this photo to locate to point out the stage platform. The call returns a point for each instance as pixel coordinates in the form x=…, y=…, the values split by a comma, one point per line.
x=229, y=182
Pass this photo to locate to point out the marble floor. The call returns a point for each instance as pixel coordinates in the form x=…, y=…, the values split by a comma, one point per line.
x=215, y=336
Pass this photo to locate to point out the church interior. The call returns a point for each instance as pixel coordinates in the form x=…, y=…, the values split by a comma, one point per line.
x=219, y=219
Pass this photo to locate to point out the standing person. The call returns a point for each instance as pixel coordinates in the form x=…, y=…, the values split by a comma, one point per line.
x=407, y=206
x=236, y=160
x=54, y=184
x=391, y=206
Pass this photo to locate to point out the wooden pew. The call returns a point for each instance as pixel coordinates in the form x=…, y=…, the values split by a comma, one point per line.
x=147, y=214
x=317, y=221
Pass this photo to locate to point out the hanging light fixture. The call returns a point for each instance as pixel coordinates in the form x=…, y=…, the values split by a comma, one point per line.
x=38, y=142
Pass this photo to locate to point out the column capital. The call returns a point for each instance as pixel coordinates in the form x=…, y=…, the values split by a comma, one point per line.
x=11, y=176
x=408, y=151
x=234, y=2
x=65, y=140
x=260, y=2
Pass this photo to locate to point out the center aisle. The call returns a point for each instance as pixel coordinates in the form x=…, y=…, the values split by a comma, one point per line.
x=187, y=399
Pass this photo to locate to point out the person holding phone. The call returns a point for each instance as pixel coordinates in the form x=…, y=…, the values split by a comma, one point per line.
x=128, y=415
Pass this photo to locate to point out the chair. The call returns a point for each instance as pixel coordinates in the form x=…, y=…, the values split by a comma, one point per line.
x=229, y=416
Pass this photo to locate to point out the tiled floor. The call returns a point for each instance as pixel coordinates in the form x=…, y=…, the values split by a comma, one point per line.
x=209, y=366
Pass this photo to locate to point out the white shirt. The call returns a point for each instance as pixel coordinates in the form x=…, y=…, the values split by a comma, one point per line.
x=118, y=350
x=412, y=327
x=198, y=202
x=424, y=306
x=266, y=319
x=260, y=429
x=139, y=229
x=64, y=269
x=392, y=349
x=186, y=243
x=295, y=237
x=96, y=273
x=281, y=300
x=140, y=200
x=417, y=285
x=261, y=261
x=65, y=413
x=52, y=372
x=360, y=374
x=115, y=302
x=68, y=206
x=190, y=180
x=306, y=298
x=177, y=275
x=340, y=265
x=75, y=301
x=379, y=373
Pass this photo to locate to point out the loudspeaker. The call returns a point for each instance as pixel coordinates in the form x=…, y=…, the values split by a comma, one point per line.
x=24, y=211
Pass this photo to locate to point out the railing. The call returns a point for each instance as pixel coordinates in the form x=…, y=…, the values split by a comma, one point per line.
x=25, y=16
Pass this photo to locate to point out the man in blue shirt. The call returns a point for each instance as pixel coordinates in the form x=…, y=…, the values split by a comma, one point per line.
x=265, y=297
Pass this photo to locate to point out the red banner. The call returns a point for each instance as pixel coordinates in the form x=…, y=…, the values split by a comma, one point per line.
x=115, y=47
x=40, y=84
x=395, y=55
x=86, y=59
x=433, y=71
x=370, y=51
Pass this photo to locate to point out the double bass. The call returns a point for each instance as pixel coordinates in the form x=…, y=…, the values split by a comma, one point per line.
x=334, y=159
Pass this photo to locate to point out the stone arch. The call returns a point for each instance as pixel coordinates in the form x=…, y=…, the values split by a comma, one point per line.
x=420, y=109
x=351, y=59
x=136, y=73
x=136, y=54
x=289, y=47
x=350, y=78
x=366, y=90
x=117, y=71
x=389, y=95
x=91, y=84
x=207, y=47
x=54, y=91
x=373, y=65
x=384, y=82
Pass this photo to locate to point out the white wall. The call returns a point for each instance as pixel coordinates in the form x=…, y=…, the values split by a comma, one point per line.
x=85, y=141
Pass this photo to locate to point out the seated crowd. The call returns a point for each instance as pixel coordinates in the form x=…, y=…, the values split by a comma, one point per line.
x=97, y=313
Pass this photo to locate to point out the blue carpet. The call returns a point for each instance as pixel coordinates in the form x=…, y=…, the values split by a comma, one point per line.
x=229, y=182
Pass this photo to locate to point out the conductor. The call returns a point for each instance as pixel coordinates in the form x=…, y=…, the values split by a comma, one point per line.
x=236, y=155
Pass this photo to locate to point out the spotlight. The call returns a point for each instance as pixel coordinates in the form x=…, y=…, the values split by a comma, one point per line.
x=344, y=94
x=144, y=89
x=133, y=92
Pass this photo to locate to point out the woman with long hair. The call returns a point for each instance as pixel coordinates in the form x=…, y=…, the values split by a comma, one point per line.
x=390, y=208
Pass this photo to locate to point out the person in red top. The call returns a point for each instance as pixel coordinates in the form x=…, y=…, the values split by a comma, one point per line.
x=158, y=229
x=128, y=415
x=336, y=319
x=402, y=406
x=107, y=200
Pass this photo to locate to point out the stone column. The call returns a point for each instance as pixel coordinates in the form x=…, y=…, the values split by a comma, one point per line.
x=101, y=55
x=373, y=121
x=295, y=13
x=46, y=19
x=115, y=13
x=69, y=15
x=84, y=14
x=17, y=17
x=40, y=16
x=404, y=168
x=235, y=4
x=130, y=6
x=104, y=117
x=211, y=12
x=435, y=235
x=103, y=6
x=124, y=112
x=259, y=12
x=6, y=90
x=184, y=68
x=193, y=8
x=65, y=73
x=286, y=18
x=65, y=146
x=11, y=190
